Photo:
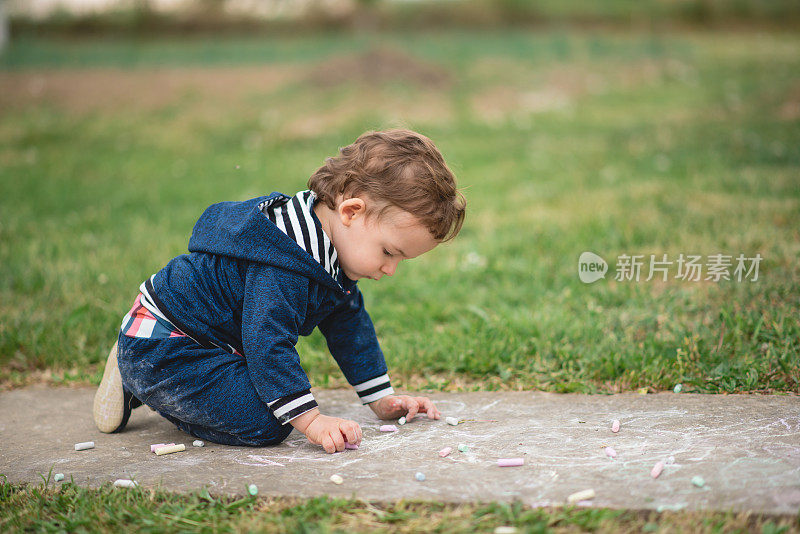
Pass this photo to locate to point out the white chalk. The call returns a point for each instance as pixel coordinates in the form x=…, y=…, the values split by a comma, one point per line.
x=451, y=421
x=657, y=469
x=444, y=452
x=159, y=445
x=615, y=426
x=510, y=462
x=169, y=449
x=610, y=452
x=336, y=479
x=59, y=477
x=401, y=421
x=85, y=445
x=583, y=495
x=252, y=489
x=198, y=443
x=123, y=483
x=388, y=428
x=351, y=446
x=419, y=476
x=505, y=530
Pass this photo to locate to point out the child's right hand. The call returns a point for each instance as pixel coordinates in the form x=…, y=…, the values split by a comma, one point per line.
x=330, y=432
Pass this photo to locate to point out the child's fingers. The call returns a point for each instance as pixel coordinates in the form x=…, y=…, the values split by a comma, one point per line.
x=412, y=406
x=338, y=441
x=328, y=445
x=427, y=405
x=350, y=431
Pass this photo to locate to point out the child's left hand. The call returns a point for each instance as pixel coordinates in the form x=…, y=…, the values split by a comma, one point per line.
x=394, y=406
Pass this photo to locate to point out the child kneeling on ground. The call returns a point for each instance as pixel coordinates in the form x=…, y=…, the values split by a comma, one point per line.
x=210, y=340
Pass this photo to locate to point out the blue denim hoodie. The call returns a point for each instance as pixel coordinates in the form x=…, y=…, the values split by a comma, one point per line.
x=248, y=287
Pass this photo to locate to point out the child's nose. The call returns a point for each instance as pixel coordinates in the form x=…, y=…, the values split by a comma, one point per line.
x=389, y=268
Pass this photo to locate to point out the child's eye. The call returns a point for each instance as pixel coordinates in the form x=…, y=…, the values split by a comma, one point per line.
x=387, y=253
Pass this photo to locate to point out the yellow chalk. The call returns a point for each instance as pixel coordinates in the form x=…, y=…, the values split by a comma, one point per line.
x=584, y=495
x=170, y=449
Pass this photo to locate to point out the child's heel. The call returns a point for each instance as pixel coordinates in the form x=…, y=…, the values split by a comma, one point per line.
x=109, y=410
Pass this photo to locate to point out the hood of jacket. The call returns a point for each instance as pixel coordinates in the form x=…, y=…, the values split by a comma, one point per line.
x=242, y=230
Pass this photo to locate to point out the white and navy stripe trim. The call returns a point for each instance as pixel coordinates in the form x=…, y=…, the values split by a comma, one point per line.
x=374, y=389
x=294, y=218
x=287, y=408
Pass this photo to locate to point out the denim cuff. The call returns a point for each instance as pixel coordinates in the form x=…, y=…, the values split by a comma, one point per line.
x=374, y=389
x=287, y=408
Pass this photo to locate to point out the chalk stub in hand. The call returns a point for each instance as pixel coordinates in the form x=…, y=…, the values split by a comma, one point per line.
x=583, y=495
x=85, y=445
x=615, y=426
x=124, y=483
x=351, y=446
x=510, y=462
x=401, y=421
x=169, y=449
x=388, y=428
x=656, y=471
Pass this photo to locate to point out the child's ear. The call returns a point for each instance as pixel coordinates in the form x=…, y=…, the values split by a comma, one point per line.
x=350, y=209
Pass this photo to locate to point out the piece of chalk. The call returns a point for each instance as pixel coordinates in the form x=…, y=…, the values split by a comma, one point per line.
x=198, y=443
x=388, y=428
x=159, y=445
x=444, y=452
x=401, y=421
x=252, y=489
x=85, y=445
x=59, y=477
x=351, y=446
x=615, y=426
x=583, y=495
x=123, y=483
x=419, y=476
x=610, y=452
x=169, y=449
x=698, y=481
x=336, y=479
x=678, y=388
x=451, y=421
x=505, y=530
x=510, y=462
x=462, y=447
x=657, y=469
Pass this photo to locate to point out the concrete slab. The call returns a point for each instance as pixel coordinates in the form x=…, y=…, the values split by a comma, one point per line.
x=746, y=447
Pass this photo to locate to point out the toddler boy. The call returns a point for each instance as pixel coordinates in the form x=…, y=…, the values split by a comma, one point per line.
x=210, y=340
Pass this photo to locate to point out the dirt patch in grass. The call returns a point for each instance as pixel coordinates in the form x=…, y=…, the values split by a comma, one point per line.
x=86, y=90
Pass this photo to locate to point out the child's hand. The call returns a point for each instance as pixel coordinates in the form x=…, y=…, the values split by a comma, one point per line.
x=394, y=406
x=330, y=432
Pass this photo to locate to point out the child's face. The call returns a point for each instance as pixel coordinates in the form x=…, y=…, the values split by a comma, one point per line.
x=372, y=248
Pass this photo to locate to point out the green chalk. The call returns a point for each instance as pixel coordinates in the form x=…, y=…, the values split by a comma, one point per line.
x=677, y=388
x=698, y=481
x=252, y=489
x=462, y=447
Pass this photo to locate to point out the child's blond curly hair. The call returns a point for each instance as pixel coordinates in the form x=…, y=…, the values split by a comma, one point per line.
x=397, y=168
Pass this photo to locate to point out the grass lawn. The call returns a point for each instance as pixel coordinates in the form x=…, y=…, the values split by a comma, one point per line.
x=564, y=142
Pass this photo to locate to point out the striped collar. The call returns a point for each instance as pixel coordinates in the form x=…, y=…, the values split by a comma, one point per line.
x=295, y=217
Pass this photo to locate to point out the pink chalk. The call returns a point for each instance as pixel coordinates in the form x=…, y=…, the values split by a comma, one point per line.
x=157, y=445
x=351, y=446
x=657, y=469
x=611, y=452
x=444, y=452
x=615, y=426
x=388, y=428
x=510, y=462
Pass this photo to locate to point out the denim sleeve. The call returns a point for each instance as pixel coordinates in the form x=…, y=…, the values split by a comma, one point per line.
x=273, y=310
x=353, y=344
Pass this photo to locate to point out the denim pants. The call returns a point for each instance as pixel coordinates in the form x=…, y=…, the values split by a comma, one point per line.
x=206, y=392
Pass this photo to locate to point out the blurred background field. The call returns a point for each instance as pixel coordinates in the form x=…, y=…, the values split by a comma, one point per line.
x=665, y=128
